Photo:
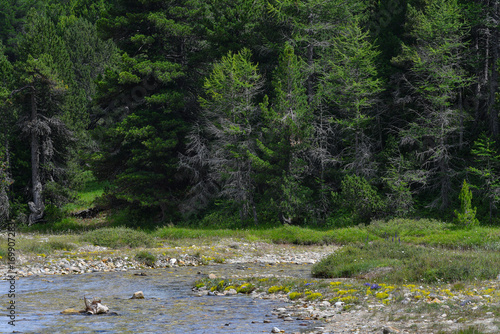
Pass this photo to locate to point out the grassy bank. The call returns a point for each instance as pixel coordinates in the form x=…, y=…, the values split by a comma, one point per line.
x=423, y=250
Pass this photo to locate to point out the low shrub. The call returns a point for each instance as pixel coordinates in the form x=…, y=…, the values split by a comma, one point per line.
x=245, y=288
x=294, y=295
x=146, y=257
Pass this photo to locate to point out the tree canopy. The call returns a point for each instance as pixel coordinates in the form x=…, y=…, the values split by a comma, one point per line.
x=250, y=111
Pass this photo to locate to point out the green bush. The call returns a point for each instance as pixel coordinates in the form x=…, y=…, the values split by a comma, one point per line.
x=53, y=213
x=359, y=198
x=119, y=237
x=146, y=257
x=466, y=217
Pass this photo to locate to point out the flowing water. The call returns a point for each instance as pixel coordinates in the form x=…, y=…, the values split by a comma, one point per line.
x=169, y=307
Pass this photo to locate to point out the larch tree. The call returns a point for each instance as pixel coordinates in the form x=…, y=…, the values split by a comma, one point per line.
x=224, y=142
x=350, y=87
x=435, y=79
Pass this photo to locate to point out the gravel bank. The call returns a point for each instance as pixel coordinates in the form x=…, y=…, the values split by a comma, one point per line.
x=475, y=305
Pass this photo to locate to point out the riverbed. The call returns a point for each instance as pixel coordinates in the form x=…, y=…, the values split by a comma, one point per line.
x=170, y=305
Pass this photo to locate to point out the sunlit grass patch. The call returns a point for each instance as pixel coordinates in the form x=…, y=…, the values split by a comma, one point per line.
x=46, y=245
x=413, y=263
x=117, y=237
x=86, y=197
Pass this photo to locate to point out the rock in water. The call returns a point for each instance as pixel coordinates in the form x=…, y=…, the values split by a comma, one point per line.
x=71, y=311
x=276, y=330
x=138, y=295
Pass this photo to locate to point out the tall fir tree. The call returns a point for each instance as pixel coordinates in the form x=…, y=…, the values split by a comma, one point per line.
x=287, y=132
x=8, y=117
x=43, y=74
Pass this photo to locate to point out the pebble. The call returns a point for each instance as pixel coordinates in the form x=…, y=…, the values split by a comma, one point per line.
x=80, y=266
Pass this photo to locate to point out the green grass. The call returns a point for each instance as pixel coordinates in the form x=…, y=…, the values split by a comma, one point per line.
x=44, y=245
x=176, y=233
x=86, y=197
x=278, y=234
x=435, y=233
x=118, y=237
x=64, y=226
x=410, y=263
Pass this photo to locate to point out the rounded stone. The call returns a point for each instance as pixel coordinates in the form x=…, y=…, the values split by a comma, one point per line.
x=138, y=295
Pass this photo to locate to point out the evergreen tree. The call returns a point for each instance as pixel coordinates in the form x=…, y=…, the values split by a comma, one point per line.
x=484, y=16
x=287, y=138
x=146, y=100
x=350, y=86
x=225, y=143
x=466, y=217
x=41, y=91
x=7, y=120
x=311, y=24
x=486, y=166
x=435, y=79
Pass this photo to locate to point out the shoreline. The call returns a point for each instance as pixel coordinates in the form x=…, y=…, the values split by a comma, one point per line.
x=405, y=315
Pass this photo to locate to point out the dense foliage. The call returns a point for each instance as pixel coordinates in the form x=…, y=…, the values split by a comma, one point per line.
x=327, y=113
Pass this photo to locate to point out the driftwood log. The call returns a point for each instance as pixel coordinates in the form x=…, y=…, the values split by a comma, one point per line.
x=94, y=306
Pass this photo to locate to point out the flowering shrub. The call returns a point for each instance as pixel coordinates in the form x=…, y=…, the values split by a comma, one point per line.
x=313, y=295
x=294, y=295
x=275, y=289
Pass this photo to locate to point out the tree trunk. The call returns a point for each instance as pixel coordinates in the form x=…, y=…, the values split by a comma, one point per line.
x=4, y=186
x=493, y=80
x=310, y=63
x=36, y=206
x=461, y=129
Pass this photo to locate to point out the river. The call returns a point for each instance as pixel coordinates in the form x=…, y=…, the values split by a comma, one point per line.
x=169, y=307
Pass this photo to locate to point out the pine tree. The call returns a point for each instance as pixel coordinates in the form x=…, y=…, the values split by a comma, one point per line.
x=311, y=24
x=146, y=99
x=466, y=217
x=7, y=120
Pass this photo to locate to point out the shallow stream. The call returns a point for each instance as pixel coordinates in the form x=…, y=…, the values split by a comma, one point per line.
x=169, y=305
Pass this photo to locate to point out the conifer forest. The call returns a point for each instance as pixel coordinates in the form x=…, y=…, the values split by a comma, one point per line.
x=327, y=113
